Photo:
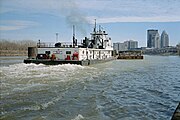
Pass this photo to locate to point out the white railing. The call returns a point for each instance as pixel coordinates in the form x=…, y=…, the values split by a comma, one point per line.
x=48, y=44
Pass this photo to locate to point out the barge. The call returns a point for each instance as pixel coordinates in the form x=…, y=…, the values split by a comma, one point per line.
x=96, y=49
x=130, y=55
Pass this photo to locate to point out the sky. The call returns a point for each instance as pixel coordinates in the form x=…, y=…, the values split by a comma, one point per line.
x=122, y=19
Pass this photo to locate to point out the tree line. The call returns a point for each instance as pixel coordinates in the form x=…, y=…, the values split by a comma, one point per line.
x=16, y=44
x=15, y=47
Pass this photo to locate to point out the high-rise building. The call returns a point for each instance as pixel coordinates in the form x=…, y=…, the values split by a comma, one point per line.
x=127, y=45
x=132, y=44
x=164, y=39
x=157, y=41
x=116, y=46
x=123, y=47
x=120, y=46
x=151, y=38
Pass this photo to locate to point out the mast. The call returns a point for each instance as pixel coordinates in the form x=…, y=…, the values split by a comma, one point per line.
x=74, y=39
x=95, y=26
x=56, y=37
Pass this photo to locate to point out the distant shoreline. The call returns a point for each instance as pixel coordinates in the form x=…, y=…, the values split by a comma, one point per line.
x=13, y=53
x=15, y=47
x=165, y=54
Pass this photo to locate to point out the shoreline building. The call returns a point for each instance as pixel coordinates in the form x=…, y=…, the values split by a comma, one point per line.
x=131, y=44
x=164, y=39
x=126, y=45
x=154, y=40
x=157, y=42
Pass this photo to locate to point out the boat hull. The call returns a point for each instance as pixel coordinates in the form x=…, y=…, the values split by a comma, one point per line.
x=57, y=62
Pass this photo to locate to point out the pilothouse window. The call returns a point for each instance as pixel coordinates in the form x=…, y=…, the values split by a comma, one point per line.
x=48, y=52
x=68, y=52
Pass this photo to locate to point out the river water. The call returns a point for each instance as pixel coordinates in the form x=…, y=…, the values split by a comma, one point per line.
x=117, y=90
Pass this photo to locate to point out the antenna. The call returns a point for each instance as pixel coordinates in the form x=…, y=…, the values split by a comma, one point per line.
x=74, y=40
x=56, y=37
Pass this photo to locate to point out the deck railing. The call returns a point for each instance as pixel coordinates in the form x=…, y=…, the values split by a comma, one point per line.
x=48, y=44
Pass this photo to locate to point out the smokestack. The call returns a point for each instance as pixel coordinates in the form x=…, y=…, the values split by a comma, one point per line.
x=95, y=26
x=74, y=38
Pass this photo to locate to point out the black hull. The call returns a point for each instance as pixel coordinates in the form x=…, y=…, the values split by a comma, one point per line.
x=57, y=62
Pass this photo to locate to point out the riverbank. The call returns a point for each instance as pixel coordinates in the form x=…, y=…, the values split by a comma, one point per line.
x=13, y=52
x=15, y=47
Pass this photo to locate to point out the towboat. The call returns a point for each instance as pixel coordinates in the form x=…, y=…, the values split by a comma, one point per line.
x=96, y=49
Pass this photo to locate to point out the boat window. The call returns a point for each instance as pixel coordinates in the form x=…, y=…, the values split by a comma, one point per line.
x=48, y=52
x=68, y=52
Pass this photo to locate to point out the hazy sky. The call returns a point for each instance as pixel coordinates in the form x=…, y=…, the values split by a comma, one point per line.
x=122, y=19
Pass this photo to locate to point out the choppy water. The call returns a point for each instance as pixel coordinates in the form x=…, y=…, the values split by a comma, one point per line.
x=118, y=90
